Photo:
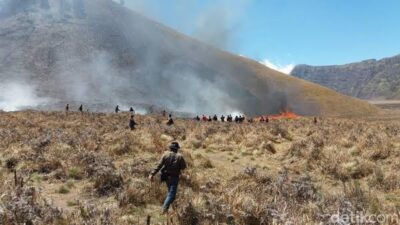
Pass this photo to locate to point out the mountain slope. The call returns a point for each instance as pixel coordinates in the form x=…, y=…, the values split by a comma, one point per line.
x=370, y=79
x=100, y=53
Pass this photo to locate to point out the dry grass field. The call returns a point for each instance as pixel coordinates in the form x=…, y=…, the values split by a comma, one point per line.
x=90, y=169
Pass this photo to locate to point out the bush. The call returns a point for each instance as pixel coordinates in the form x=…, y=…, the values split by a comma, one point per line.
x=132, y=196
x=206, y=163
x=188, y=215
x=11, y=163
x=75, y=173
x=49, y=166
x=63, y=190
x=107, y=184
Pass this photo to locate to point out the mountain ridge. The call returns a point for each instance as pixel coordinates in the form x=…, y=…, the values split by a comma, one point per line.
x=368, y=79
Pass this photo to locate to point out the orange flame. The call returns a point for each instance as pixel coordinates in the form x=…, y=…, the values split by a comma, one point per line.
x=283, y=115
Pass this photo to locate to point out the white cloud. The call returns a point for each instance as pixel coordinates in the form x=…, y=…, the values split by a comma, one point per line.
x=287, y=69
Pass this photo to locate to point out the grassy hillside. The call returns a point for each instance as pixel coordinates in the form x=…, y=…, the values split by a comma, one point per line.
x=330, y=103
x=90, y=169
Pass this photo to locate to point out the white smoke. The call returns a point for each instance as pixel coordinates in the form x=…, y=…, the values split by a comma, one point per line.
x=17, y=96
x=128, y=61
x=213, y=22
x=286, y=69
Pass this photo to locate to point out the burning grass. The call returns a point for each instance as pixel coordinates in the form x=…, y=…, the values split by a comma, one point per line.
x=90, y=169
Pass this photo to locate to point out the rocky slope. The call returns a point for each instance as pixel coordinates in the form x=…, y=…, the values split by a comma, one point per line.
x=370, y=79
x=101, y=54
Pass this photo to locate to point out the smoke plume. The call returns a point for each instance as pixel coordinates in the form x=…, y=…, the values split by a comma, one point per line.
x=18, y=96
x=100, y=53
x=213, y=22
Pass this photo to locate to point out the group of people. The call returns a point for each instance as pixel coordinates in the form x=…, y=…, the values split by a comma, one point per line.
x=230, y=118
x=170, y=122
x=67, y=108
x=131, y=110
x=80, y=109
x=132, y=122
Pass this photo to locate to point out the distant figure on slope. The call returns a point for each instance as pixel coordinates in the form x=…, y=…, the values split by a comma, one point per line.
x=132, y=123
x=81, y=108
x=197, y=118
x=315, y=120
x=205, y=119
x=67, y=108
x=267, y=119
x=171, y=165
x=117, y=109
x=229, y=118
x=215, y=118
x=222, y=118
x=262, y=119
x=209, y=119
x=164, y=113
x=131, y=110
x=170, y=120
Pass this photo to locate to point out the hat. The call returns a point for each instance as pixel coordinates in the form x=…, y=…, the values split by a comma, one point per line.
x=174, y=146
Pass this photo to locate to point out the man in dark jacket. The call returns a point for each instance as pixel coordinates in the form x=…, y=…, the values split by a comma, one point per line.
x=132, y=123
x=171, y=165
x=170, y=121
x=117, y=109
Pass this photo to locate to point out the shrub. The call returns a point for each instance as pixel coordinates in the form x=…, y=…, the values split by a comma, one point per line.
x=75, y=173
x=11, y=163
x=132, y=196
x=206, y=163
x=49, y=166
x=63, y=190
x=107, y=184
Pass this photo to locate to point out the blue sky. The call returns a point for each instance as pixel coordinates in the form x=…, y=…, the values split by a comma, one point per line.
x=283, y=32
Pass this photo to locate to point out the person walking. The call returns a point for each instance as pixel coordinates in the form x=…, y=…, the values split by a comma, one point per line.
x=171, y=165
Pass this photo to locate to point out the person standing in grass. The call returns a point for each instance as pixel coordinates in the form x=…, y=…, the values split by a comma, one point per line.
x=170, y=121
x=132, y=123
x=171, y=165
